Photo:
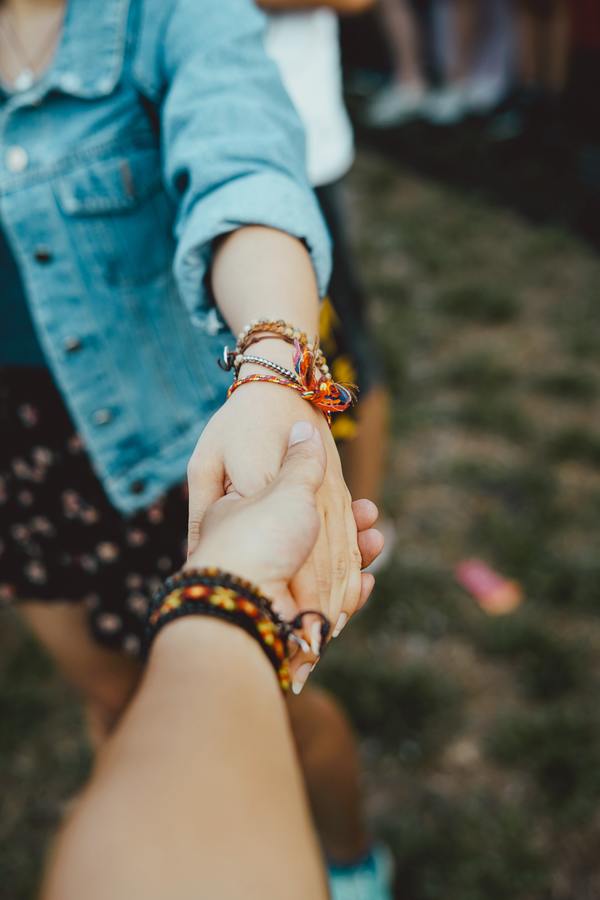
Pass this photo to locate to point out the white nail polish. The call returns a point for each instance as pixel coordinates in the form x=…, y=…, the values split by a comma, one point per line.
x=340, y=624
x=297, y=639
x=300, y=678
x=315, y=638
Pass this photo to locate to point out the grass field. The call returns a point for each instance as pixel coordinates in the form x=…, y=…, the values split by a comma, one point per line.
x=481, y=737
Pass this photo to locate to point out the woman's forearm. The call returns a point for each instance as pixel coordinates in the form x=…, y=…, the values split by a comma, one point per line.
x=263, y=273
x=198, y=793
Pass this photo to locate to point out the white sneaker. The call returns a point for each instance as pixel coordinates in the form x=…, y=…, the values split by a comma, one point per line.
x=446, y=106
x=394, y=105
x=483, y=94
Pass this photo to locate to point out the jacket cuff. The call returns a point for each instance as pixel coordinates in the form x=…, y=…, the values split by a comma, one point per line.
x=267, y=199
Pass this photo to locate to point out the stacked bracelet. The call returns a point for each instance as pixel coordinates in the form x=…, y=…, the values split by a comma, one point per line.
x=211, y=592
x=310, y=378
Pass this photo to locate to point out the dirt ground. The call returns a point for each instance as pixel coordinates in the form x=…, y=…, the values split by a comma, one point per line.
x=481, y=736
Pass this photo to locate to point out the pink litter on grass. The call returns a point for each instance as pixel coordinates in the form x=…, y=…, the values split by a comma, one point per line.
x=495, y=594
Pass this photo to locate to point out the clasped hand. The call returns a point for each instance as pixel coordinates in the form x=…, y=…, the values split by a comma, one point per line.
x=274, y=508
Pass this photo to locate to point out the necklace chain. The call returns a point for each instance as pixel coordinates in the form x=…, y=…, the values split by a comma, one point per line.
x=29, y=60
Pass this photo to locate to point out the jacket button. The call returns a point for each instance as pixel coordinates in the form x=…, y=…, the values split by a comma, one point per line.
x=16, y=159
x=102, y=417
x=137, y=487
x=42, y=254
x=72, y=344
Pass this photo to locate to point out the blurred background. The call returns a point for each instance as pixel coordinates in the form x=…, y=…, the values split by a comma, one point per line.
x=475, y=206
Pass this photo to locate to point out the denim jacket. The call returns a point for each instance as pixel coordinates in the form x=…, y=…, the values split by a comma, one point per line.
x=160, y=125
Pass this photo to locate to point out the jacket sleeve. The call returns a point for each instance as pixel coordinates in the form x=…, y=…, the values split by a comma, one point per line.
x=232, y=143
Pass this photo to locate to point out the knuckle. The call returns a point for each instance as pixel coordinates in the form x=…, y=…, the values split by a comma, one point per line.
x=323, y=586
x=340, y=566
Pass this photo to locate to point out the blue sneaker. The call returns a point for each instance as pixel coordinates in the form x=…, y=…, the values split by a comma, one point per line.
x=371, y=879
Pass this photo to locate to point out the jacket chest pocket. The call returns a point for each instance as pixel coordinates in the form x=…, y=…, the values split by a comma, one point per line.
x=119, y=218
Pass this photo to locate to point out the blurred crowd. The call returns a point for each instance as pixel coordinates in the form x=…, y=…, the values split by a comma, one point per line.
x=528, y=66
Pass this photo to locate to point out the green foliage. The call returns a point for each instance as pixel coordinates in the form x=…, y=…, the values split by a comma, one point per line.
x=500, y=415
x=560, y=746
x=407, y=709
x=571, y=385
x=548, y=666
x=483, y=303
x=480, y=372
x=472, y=847
x=576, y=444
x=413, y=599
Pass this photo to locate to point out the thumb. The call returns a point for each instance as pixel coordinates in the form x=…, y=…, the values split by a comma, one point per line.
x=205, y=486
x=304, y=462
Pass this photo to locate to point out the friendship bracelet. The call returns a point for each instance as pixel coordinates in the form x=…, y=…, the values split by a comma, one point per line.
x=310, y=378
x=211, y=592
x=227, y=604
x=265, y=329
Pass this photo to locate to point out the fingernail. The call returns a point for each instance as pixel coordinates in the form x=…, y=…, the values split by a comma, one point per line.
x=315, y=638
x=300, y=678
x=301, y=643
x=340, y=624
x=301, y=431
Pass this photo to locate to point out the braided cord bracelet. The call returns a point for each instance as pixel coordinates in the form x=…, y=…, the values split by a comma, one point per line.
x=327, y=400
x=211, y=592
x=310, y=377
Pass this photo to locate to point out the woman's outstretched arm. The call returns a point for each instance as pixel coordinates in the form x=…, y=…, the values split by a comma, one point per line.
x=198, y=794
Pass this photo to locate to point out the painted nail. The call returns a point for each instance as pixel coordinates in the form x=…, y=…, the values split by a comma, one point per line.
x=340, y=624
x=315, y=638
x=301, y=643
x=300, y=677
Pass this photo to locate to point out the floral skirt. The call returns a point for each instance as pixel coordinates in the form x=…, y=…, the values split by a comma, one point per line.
x=60, y=537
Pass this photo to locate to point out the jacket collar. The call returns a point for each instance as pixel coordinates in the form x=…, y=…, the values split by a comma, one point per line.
x=89, y=59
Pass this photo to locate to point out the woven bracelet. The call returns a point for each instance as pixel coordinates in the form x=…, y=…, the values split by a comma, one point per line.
x=212, y=593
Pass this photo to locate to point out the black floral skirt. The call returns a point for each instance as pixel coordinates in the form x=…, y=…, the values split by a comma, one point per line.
x=60, y=537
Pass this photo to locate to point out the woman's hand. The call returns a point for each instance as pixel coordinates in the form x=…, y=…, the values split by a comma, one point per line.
x=269, y=537
x=241, y=450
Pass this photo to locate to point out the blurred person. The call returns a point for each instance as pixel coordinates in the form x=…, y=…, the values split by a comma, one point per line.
x=403, y=98
x=533, y=106
x=140, y=137
x=458, y=25
x=304, y=42
x=156, y=821
x=473, y=43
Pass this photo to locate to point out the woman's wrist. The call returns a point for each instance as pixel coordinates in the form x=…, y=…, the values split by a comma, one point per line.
x=204, y=647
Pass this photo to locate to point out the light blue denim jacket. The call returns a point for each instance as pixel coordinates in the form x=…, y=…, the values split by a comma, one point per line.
x=161, y=125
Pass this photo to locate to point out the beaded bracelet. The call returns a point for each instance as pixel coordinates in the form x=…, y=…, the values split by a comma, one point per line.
x=278, y=329
x=310, y=378
x=211, y=592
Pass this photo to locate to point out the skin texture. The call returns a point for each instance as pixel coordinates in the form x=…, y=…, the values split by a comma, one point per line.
x=168, y=807
x=257, y=272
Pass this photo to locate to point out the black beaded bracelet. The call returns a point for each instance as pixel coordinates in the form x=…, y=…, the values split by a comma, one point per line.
x=211, y=592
